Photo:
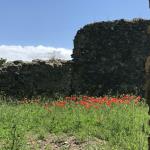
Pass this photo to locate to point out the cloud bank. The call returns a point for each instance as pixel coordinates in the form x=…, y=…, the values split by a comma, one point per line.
x=28, y=53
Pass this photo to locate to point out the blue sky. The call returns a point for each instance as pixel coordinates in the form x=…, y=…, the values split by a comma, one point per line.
x=54, y=23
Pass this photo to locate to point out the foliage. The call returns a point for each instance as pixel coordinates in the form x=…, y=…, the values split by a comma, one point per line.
x=119, y=121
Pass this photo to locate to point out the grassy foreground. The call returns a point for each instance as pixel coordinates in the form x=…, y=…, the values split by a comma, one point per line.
x=107, y=123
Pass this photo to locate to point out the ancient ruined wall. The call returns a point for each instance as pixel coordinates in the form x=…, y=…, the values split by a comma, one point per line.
x=111, y=56
x=38, y=77
x=107, y=56
x=147, y=80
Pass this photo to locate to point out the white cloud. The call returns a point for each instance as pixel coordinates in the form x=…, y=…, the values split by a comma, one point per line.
x=28, y=53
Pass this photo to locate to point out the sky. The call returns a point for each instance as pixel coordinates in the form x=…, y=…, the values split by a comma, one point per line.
x=31, y=29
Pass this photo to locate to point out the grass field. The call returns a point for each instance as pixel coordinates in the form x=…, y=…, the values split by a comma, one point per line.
x=74, y=123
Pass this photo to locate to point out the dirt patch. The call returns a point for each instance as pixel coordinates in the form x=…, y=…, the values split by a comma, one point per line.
x=63, y=142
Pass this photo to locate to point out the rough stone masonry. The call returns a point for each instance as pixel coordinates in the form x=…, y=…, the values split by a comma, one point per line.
x=27, y=79
x=110, y=57
x=107, y=57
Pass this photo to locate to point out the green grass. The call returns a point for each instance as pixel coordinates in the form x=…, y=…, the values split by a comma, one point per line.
x=123, y=127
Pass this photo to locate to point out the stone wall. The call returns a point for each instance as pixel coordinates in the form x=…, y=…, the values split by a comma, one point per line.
x=110, y=56
x=107, y=56
x=27, y=79
x=147, y=81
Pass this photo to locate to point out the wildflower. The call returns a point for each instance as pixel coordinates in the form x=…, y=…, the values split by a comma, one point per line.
x=138, y=98
x=84, y=98
x=60, y=103
x=73, y=98
x=121, y=101
x=96, y=107
x=87, y=106
x=114, y=100
x=108, y=103
x=83, y=102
